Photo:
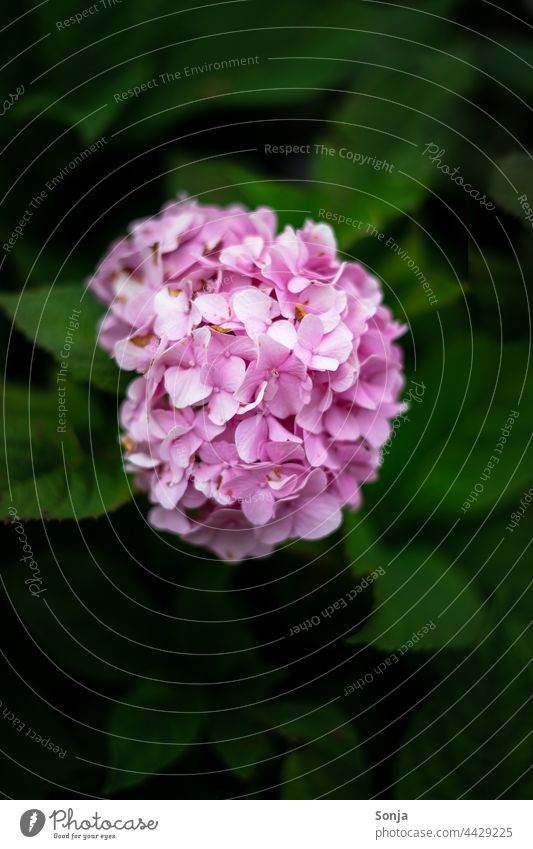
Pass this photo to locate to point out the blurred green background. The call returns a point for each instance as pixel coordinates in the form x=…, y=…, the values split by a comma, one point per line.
x=134, y=666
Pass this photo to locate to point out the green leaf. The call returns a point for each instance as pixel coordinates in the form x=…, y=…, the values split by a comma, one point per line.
x=95, y=616
x=211, y=623
x=372, y=166
x=417, y=278
x=47, y=472
x=326, y=758
x=471, y=737
x=240, y=65
x=152, y=731
x=465, y=417
x=499, y=286
x=421, y=603
x=212, y=633
x=511, y=54
x=64, y=322
x=228, y=179
x=511, y=179
x=37, y=741
x=241, y=742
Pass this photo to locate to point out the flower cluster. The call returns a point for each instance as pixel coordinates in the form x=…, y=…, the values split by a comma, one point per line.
x=268, y=374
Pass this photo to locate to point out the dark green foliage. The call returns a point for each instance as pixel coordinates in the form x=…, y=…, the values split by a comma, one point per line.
x=154, y=670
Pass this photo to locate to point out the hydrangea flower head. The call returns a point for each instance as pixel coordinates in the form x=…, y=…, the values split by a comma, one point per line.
x=267, y=374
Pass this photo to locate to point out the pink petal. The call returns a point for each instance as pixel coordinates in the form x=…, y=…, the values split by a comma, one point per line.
x=143, y=461
x=374, y=427
x=324, y=363
x=252, y=303
x=343, y=422
x=310, y=332
x=230, y=373
x=249, y=438
x=131, y=356
x=277, y=530
x=278, y=433
x=213, y=308
x=261, y=389
x=287, y=401
x=298, y=284
x=222, y=407
x=316, y=449
x=259, y=506
x=337, y=344
x=168, y=493
x=319, y=517
x=185, y=386
x=284, y=333
x=169, y=520
x=271, y=353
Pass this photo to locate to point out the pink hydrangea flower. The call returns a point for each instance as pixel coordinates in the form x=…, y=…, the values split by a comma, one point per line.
x=268, y=374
